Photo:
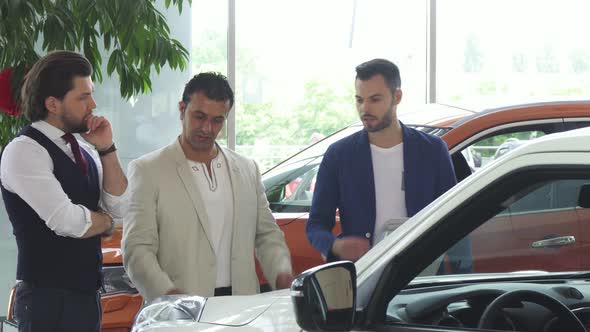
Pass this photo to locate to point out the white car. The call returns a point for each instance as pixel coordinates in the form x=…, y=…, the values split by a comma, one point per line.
x=387, y=289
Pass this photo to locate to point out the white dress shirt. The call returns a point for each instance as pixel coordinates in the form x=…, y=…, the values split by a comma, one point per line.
x=26, y=169
x=216, y=190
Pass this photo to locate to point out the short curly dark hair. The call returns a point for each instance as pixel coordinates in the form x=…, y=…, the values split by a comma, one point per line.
x=51, y=76
x=213, y=84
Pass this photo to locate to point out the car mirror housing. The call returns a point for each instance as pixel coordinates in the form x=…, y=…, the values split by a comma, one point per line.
x=324, y=297
x=584, y=196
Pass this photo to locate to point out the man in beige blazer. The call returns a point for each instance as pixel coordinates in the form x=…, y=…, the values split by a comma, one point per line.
x=198, y=212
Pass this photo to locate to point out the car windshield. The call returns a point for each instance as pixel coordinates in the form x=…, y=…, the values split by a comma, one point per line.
x=289, y=185
x=312, y=151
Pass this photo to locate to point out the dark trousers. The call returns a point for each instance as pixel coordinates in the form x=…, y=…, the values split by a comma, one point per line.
x=55, y=309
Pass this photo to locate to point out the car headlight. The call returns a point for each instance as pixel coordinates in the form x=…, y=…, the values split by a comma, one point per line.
x=116, y=281
x=169, y=308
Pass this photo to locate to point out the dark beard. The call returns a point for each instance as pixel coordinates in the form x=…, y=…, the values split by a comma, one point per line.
x=385, y=122
x=74, y=128
x=78, y=129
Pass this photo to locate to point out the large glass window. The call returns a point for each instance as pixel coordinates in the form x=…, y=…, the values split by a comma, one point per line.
x=295, y=66
x=496, y=52
x=209, y=42
x=150, y=121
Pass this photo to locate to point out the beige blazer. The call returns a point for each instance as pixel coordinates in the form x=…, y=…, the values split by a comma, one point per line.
x=166, y=237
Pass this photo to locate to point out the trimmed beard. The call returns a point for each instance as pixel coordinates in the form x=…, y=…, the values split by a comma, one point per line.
x=71, y=127
x=385, y=122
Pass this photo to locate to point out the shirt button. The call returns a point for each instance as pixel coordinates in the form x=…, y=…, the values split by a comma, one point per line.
x=368, y=235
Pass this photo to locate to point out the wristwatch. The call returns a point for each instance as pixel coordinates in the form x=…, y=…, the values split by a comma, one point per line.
x=111, y=229
x=112, y=148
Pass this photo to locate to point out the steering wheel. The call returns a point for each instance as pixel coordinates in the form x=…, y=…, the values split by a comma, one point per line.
x=559, y=309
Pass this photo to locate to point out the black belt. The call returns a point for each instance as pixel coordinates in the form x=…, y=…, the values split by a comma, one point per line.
x=223, y=291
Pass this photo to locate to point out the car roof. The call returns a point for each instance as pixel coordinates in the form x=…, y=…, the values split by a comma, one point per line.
x=570, y=108
x=495, y=117
x=451, y=116
x=439, y=115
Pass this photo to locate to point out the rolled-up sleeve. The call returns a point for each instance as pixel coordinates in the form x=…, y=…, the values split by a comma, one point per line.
x=35, y=183
x=116, y=206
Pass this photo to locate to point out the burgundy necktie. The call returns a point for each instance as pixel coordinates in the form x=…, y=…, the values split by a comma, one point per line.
x=80, y=160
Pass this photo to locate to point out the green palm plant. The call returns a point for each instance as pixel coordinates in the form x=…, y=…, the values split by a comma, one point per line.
x=133, y=32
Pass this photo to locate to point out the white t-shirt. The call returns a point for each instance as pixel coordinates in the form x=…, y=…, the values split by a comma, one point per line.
x=388, y=170
x=216, y=192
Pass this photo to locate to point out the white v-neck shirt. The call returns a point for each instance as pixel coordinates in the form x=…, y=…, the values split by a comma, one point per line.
x=217, y=195
x=390, y=200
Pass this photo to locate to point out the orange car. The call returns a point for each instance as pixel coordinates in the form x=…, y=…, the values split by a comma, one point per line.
x=473, y=138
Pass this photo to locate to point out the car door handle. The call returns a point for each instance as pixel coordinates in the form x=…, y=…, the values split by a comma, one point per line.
x=555, y=242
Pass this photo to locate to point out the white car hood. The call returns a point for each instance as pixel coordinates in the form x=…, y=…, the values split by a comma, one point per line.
x=241, y=310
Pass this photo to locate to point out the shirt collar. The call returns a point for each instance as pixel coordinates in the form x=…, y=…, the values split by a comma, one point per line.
x=53, y=133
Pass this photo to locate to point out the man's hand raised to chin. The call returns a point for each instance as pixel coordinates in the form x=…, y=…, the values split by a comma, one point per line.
x=100, y=133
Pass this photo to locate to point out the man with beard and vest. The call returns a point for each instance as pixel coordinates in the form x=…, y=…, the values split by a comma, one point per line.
x=61, y=196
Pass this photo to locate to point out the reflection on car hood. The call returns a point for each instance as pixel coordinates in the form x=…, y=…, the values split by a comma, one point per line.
x=242, y=310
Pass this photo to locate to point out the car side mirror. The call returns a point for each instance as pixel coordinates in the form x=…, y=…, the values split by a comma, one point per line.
x=325, y=297
x=584, y=196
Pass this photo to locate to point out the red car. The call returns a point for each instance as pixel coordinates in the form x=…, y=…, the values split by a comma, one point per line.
x=473, y=138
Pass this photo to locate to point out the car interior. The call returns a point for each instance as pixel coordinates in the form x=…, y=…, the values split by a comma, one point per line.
x=515, y=286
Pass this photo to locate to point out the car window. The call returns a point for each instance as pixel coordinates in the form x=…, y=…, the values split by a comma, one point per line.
x=479, y=154
x=300, y=190
x=540, y=228
x=290, y=188
x=573, y=124
x=551, y=196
